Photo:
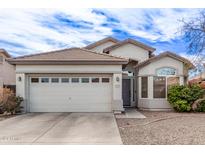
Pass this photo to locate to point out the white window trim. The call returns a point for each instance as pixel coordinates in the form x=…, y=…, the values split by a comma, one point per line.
x=165, y=85
x=147, y=87
x=166, y=67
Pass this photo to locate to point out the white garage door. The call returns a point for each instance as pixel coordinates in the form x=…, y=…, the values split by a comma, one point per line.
x=70, y=94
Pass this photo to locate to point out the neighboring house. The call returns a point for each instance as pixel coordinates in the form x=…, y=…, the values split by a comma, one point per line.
x=7, y=71
x=105, y=76
x=199, y=79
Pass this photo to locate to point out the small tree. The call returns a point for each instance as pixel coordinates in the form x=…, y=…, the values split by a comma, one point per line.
x=193, y=31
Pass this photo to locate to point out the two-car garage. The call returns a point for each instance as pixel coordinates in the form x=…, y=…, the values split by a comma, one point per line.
x=70, y=93
x=69, y=80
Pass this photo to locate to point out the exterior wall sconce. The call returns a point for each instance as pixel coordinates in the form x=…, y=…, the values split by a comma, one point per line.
x=117, y=79
x=19, y=79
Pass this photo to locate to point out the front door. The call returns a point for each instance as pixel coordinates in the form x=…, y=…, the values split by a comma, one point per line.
x=126, y=93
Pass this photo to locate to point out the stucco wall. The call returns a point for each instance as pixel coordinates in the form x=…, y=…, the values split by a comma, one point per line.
x=131, y=51
x=68, y=68
x=164, y=62
x=151, y=103
x=22, y=87
x=99, y=49
x=154, y=104
x=117, y=103
x=7, y=72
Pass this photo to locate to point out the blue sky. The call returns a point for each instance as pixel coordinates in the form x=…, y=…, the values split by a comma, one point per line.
x=26, y=31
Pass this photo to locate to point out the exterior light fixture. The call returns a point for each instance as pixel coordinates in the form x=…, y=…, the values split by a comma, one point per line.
x=117, y=79
x=19, y=78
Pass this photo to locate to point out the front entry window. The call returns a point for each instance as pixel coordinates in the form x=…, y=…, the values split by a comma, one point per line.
x=159, y=87
x=164, y=71
x=144, y=87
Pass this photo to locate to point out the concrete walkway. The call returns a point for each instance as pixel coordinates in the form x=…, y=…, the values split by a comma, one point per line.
x=131, y=113
x=60, y=128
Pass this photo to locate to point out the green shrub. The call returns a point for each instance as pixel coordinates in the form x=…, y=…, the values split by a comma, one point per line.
x=196, y=92
x=182, y=97
x=176, y=92
x=201, y=107
x=182, y=106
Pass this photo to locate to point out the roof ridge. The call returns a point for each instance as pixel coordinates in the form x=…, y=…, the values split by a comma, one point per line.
x=44, y=53
x=129, y=40
x=94, y=44
x=64, y=50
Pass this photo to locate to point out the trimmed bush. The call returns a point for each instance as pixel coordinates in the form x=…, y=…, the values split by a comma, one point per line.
x=186, y=98
x=201, y=106
x=196, y=92
x=182, y=106
x=175, y=93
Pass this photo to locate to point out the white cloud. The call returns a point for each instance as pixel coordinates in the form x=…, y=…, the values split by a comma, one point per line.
x=164, y=23
x=25, y=26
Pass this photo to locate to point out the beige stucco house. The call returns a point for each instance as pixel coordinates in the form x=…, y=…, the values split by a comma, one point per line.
x=105, y=76
x=7, y=71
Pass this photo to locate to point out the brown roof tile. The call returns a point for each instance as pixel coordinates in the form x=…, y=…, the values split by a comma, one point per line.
x=68, y=56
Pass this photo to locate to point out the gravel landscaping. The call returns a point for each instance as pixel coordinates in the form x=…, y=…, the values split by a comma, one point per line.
x=163, y=128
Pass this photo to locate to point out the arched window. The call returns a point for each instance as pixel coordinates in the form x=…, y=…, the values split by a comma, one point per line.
x=164, y=71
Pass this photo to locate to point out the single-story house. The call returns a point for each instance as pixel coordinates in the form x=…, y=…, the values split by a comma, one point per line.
x=7, y=71
x=105, y=76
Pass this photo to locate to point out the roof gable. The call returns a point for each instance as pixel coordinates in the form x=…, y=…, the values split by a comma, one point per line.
x=67, y=56
x=129, y=41
x=166, y=54
x=100, y=42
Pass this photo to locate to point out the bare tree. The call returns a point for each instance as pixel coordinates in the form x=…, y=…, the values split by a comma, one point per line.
x=194, y=34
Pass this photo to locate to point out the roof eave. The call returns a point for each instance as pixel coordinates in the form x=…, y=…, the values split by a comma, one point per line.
x=71, y=62
x=169, y=54
x=115, y=46
x=5, y=53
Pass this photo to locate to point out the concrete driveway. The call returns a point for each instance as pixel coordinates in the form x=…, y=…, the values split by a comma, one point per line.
x=60, y=128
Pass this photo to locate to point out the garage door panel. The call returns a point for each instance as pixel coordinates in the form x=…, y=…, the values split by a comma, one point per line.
x=73, y=108
x=70, y=97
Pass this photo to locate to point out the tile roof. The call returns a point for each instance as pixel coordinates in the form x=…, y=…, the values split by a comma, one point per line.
x=68, y=56
x=107, y=39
